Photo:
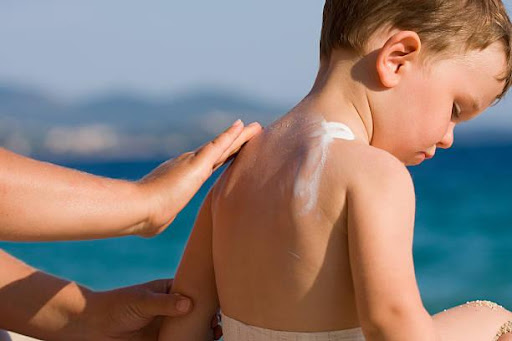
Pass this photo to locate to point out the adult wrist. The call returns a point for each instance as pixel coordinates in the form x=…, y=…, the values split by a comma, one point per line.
x=147, y=203
x=84, y=324
x=137, y=209
x=67, y=316
x=77, y=311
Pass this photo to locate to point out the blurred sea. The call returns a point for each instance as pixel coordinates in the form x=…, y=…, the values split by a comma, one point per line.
x=462, y=244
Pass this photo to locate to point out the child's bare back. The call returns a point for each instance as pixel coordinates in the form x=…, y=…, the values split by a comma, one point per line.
x=281, y=213
x=276, y=217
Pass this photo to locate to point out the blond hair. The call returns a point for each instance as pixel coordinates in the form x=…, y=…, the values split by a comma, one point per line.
x=443, y=25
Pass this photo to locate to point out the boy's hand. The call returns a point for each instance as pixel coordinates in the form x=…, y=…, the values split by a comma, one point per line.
x=133, y=313
x=171, y=185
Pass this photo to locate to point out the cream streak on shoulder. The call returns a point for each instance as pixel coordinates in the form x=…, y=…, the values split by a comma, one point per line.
x=307, y=182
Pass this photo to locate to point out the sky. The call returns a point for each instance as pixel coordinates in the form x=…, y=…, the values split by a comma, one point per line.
x=76, y=49
x=265, y=49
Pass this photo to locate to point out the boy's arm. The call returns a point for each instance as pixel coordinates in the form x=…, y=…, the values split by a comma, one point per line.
x=381, y=205
x=195, y=278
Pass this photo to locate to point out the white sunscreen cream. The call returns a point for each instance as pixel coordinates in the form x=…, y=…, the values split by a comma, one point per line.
x=307, y=182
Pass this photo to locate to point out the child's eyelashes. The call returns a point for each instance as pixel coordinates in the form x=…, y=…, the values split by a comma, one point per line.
x=455, y=111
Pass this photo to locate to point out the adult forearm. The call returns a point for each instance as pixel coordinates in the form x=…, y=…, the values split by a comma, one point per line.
x=42, y=201
x=37, y=304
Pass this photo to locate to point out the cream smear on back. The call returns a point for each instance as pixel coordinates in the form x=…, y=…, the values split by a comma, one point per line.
x=307, y=182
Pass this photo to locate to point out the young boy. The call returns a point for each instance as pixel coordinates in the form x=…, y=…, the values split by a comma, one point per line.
x=308, y=234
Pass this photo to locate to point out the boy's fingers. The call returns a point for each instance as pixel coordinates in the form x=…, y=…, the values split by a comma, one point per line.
x=248, y=133
x=211, y=151
x=215, y=321
x=217, y=332
x=217, y=329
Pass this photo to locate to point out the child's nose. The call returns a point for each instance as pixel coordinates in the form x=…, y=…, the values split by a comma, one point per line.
x=447, y=140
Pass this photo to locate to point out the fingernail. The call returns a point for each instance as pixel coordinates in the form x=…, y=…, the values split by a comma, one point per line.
x=183, y=305
x=237, y=123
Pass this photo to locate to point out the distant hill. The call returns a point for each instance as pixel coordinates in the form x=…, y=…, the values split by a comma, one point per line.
x=125, y=126
x=120, y=126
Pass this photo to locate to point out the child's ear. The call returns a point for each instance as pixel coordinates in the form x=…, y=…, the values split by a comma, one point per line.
x=399, y=51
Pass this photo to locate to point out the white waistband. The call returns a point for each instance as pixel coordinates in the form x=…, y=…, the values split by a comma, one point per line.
x=234, y=330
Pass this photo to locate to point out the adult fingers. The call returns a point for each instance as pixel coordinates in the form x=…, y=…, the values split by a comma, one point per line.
x=171, y=305
x=213, y=150
x=159, y=286
x=248, y=133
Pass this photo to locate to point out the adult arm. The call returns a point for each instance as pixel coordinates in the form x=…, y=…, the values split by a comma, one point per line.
x=381, y=205
x=40, y=201
x=49, y=308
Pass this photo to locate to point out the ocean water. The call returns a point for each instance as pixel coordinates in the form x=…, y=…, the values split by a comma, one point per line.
x=462, y=245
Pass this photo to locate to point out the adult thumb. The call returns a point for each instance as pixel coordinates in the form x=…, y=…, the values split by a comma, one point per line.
x=171, y=305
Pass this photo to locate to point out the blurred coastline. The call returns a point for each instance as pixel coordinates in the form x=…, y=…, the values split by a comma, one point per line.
x=120, y=126
x=124, y=126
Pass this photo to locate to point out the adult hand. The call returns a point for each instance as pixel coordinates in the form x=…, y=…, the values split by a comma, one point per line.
x=45, y=202
x=133, y=313
x=62, y=310
x=172, y=184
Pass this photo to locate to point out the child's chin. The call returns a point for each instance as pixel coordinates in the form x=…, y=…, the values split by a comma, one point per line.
x=413, y=164
x=416, y=161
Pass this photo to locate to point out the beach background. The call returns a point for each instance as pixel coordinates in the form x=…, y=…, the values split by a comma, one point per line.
x=116, y=92
x=462, y=245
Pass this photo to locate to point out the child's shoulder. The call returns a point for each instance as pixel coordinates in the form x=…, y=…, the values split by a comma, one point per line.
x=361, y=166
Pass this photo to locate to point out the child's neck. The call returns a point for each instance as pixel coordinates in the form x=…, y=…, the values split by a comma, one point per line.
x=339, y=96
